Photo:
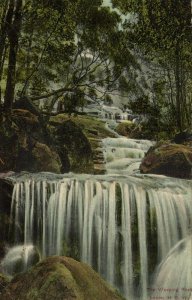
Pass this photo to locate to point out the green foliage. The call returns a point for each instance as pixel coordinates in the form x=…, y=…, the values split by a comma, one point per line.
x=160, y=32
x=142, y=105
x=67, y=46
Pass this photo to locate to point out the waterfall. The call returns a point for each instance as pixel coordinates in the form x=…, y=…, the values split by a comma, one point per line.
x=174, y=275
x=116, y=224
x=19, y=259
x=123, y=156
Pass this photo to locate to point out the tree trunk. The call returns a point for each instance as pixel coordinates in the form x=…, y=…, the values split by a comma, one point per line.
x=6, y=20
x=178, y=89
x=13, y=35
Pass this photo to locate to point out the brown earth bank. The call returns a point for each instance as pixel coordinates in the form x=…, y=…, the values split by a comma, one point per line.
x=59, y=278
x=173, y=160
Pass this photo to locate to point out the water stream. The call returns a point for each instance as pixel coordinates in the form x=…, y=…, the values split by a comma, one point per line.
x=123, y=224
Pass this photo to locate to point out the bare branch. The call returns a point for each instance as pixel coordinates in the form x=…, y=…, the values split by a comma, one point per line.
x=56, y=92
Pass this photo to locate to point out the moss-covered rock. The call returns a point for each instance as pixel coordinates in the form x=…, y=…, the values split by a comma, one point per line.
x=168, y=159
x=144, y=130
x=135, y=131
x=45, y=159
x=65, y=145
x=90, y=126
x=70, y=138
x=24, y=145
x=59, y=278
x=125, y=128
x=80, y=136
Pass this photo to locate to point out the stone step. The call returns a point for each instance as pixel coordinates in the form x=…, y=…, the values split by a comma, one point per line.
x=95, y=139
x=99, y=169
x=100, y=162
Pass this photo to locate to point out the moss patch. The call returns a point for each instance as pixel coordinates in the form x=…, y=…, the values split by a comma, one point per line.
x=91, y=127
x=59, y=278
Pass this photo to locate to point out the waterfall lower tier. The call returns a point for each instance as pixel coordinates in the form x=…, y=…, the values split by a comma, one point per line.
x=122, y=226
x=174, y=275
x=19, y=259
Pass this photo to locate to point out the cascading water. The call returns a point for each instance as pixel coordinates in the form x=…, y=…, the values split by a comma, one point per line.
x=19, y=259
x=123, y=156
x=123, y=224
x=174, y=275
x=116, y=224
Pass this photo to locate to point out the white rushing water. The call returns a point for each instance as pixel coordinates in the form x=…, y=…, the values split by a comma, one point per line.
x=19, y=259
x=123, y=226
x=174, y=275
x=116, y=224
x=123, y=156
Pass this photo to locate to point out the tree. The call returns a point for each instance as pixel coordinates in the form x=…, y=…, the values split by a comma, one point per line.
x=62, y=47
x=13, y=31
x=161, y=33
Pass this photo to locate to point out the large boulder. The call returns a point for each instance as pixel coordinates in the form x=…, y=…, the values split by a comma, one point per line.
x=168, y=159
x=71, y=139
x=38, y=157
x=183, y=138
x=59, y=278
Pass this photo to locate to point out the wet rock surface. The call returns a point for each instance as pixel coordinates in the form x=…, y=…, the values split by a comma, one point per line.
x=6, y=189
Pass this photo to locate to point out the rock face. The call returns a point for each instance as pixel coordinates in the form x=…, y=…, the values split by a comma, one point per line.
x=170, y=160
x=6, y=189
x=25, y=146
x=59, y=278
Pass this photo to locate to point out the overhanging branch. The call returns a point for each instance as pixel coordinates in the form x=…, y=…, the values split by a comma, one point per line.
x=56, y=92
